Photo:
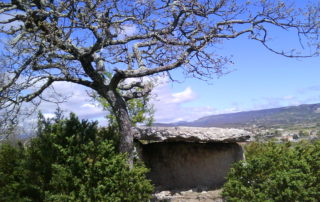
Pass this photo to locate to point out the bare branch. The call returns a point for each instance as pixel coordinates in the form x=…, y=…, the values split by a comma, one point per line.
x=137, y=94
x=135, y=84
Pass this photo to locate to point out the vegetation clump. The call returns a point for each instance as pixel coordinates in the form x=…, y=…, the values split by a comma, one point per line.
x=276, y=172
x=70, y=160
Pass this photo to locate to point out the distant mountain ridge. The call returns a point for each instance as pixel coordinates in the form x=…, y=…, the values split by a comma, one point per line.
x=306, y=114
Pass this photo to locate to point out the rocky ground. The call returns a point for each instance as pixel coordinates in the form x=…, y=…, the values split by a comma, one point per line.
x=189, y=196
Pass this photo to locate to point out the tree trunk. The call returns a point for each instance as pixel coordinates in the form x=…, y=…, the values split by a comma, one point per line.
x=119, y=108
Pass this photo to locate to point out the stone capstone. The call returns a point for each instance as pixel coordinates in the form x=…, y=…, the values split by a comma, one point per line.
x=191, y=134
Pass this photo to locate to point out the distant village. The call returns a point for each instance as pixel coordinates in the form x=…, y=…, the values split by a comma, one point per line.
x=283, y=135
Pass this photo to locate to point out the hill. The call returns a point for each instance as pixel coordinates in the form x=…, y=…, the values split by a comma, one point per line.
x=307, y=115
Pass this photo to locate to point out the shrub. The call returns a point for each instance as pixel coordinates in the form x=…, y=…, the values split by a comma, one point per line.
x=14, y=179
x=276, y=172
x=73, y=160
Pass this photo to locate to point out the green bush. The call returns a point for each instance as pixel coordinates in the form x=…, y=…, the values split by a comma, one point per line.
x=14, y=178
x=276, y=172
x=71, y=160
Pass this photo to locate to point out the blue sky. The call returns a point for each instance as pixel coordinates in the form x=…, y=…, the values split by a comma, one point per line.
x=258, y=79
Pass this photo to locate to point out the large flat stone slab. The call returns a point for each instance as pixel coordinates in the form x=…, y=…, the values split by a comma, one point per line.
x=191, y=134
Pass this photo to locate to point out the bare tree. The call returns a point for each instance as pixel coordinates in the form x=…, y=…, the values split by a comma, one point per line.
x=77, y=41
x=7, y=123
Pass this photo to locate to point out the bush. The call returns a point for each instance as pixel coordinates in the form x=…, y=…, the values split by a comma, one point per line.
x=14, y=179
x=73, y=160
x=276, y=172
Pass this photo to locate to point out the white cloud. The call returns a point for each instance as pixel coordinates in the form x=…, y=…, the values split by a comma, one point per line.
x=89, y=105
x=48, y=115
x=169, y=106
x=10, y=15
x=125, y=30
x=184, y=96
x=78, y=101
x=128, y=30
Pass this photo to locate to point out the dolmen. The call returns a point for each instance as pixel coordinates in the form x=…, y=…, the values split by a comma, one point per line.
x=183, y=158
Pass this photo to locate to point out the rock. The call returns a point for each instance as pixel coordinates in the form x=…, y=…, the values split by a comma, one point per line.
x=163, y=195
x=189, y=157
x=191, y=134
x=189, y=165
x=190, y=196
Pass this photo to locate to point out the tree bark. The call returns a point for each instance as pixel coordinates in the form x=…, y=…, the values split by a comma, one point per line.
x=119, y=108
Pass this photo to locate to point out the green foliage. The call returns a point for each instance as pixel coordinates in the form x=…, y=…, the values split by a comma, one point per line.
x=14, y=179
x=70, y=160
x=303, y=133
x=140, y=111
x=276, y=172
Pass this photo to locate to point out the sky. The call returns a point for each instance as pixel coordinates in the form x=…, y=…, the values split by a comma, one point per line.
x=257, y=79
